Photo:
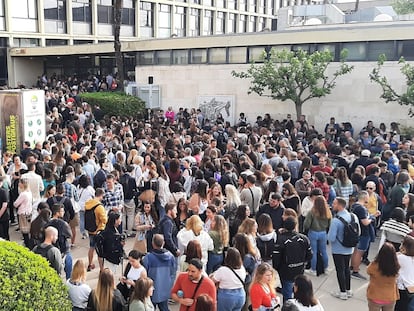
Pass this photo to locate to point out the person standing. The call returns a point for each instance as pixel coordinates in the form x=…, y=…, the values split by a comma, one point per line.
x=262, y=290
x=114, y=196
x=341, y=254
x=274, y=209
x=382, y=289
x=47, y=250
x=192, y=284
x=4, y=211
x=161, y=268
x=129, y=187
x=100, y=222
x=71, y=192
x=23, y=204
x=64, y=233
x=169, y=230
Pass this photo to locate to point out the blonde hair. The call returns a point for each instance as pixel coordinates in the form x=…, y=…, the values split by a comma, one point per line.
x=222, y=228
x=195, y=224
x=260, y=271
x=25, y=183
x=232, y=195
x=132, y=154
x=247, y=226
x=79, y=271
x=104, y=292
x=137, y=160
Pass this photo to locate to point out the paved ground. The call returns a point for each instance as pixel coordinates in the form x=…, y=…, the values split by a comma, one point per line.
x=322, y=285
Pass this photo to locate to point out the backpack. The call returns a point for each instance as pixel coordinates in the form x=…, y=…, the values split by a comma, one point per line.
x=42, y=251
x=351, y=232
x=266, y=248
x=99, y=244
x=295, y=253
x=90, y=219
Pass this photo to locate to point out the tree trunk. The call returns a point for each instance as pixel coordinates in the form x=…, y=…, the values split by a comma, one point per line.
x=356, y=5
x=298, y=107
x=117, y=43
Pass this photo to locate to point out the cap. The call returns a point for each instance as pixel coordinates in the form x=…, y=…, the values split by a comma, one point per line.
x=365, y=153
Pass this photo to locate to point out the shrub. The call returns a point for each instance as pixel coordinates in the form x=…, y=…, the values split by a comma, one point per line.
x=27, y=282
x=115, y=103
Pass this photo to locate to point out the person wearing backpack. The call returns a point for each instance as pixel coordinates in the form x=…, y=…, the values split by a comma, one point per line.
x=95, y=221
x=291, y=254
x=47, y=250
x=365, y=221
x=341, y=254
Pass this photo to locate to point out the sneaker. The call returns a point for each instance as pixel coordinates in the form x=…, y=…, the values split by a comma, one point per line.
x=366, y=261
x=340, y=295
x=310, y=272
x=90, y=267
x=328, y=270
x=14, y=223
x=359, y=276
x=349, y=293
x=84, y=236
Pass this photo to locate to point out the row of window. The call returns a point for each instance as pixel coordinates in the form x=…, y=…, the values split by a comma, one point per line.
x=357, y=51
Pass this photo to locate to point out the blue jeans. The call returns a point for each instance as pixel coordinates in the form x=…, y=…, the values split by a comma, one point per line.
x=68, y=265
x=318, y=242
x=230, y=299
x=82, y=222
x=287, y=289
x=163, y=305
x=214, y=262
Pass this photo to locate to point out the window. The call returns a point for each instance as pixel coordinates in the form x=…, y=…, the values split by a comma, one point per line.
x=55, y=9
x=220, y=23
x=260, y=8
x=256, y=54
x=356, y=50
x=24, y=9
x=199, y=56
x=324, y=47
x=217, y=56
x=146, y=58
x=81, y=11
x=164, y=20
x=252, y=5
x=406, y=49
x=231, y=4
x=146, y=20
x=242, y=5
x=79, y=42
x=208, y=2
x=128, y=13
x=262, y=24
x=179, y=21
x=243, y=23
x=194, y=22
x=232, y=23
x=105, y=12
x=220, y=3
x=163, y=57
x=180, y=57
x=252, y=24
x=208, y=23
x=52, y=42
x=375, y=49
x=238, y=55
x=25, y=42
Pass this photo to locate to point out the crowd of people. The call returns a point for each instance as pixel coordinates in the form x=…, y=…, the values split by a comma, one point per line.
x=240, y=211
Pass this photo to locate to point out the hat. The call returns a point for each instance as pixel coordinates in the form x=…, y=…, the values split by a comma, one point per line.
x=365, y=153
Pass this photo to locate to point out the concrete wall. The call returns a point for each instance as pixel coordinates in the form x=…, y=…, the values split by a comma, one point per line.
x=354, y=99
x=24, y=70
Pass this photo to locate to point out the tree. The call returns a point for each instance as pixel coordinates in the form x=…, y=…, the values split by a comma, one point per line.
x=117, y=43
x=403, y=6
x=388, y=92
x=294, y=75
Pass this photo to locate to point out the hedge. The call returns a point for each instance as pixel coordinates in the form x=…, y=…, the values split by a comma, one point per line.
x=27, y=282
x=115, y=103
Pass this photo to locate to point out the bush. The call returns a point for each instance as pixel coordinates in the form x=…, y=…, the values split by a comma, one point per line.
x=27, y=282
x=115, y=103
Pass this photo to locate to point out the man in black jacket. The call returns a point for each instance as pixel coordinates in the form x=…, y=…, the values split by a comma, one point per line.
x=169, y=229
x=291, y=254
x=274, y=209
x=130, y=190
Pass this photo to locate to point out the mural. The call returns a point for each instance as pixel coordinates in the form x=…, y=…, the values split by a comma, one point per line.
x=214, y=105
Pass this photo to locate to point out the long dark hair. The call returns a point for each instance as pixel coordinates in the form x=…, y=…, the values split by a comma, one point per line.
x=387, y=260
x=304, y=291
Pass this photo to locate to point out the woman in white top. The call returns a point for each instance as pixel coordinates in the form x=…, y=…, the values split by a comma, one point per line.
x=78, y=290
x=406, y=274
x=194, y=231
x=230, y=279
x=134, y=271
x=23, y=204
x=85, y=193
x=304, y=298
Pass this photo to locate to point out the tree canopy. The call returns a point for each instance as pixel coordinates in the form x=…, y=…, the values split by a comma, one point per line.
x=388, y=92
x=294, y=75
x=403, y=6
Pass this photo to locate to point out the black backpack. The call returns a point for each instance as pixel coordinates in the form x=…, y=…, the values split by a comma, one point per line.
x=99, y=244
x=266, y=248
x=90, y=219
x=42, y=251
x=351, y=232
x=296, y=253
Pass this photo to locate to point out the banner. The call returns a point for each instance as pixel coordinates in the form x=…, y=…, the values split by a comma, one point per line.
x=10, y=118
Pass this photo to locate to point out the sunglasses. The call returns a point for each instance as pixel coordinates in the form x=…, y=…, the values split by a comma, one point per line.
x=370, y=188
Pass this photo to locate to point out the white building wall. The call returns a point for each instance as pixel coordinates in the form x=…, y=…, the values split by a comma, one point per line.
x=24, y=71
x=355, y=98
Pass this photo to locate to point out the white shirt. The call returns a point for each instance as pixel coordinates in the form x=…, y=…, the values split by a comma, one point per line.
x=35, y=184
x=184, y=236
x=227, y=279
x=406, y=273
x=301, y=307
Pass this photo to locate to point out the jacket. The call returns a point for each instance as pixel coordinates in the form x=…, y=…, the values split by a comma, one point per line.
x=169, y=230
x=266, y=244
x=100, y=214
x=112, y=246
x=161, y=267
x=381, y=287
